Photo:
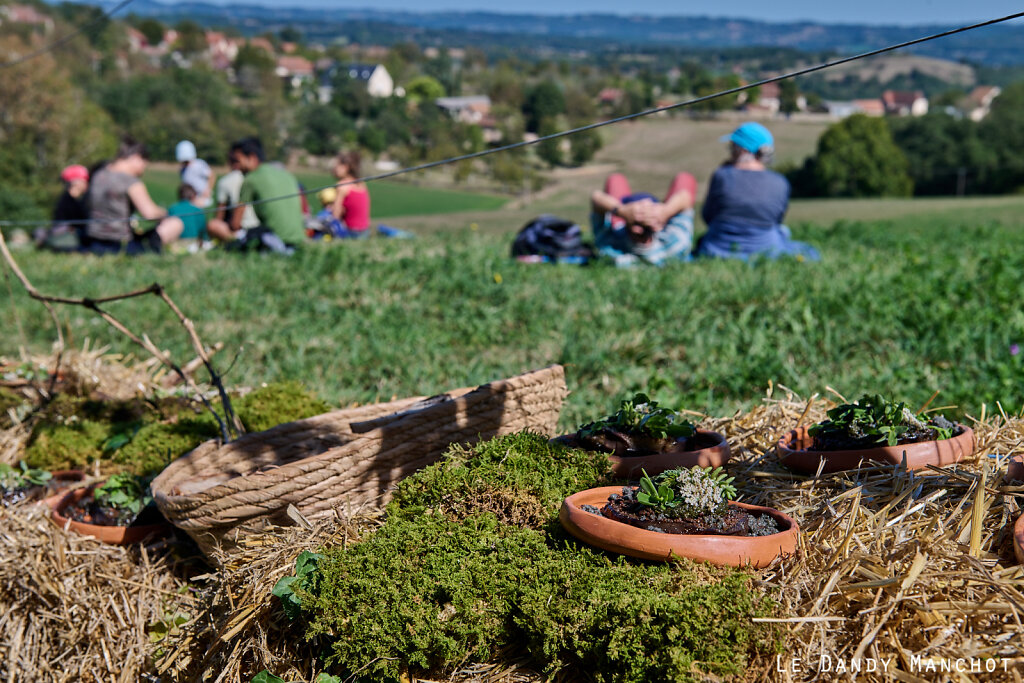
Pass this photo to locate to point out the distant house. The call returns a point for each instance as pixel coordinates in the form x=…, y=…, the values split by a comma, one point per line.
x=220, y=51
x=905, y=103
x=471, y=109
x=843, y=108
x=979, y=101
x=25, y=14
x=377, y=79
x=770, y=97
x=294, y=69
x=137, y=42
x=610, y=96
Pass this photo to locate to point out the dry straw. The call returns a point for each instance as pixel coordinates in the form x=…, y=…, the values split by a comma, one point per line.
x=893, y=567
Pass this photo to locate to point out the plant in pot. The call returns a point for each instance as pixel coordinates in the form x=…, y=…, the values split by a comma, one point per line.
x=22, y=483
x=642, y=436
x=684, y=512
x=118, y=511
x=875, y=429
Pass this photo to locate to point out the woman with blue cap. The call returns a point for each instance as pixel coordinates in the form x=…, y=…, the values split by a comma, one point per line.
x=746, y=202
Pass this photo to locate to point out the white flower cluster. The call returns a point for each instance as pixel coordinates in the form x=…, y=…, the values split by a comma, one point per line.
x=698, y=493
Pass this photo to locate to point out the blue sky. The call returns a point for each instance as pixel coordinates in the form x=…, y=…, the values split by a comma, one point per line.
x=861, y=12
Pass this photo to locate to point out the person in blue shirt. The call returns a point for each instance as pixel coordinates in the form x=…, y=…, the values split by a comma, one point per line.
x=746, y=203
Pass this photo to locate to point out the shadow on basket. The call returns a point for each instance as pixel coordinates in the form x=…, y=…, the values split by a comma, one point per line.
x=353, y=457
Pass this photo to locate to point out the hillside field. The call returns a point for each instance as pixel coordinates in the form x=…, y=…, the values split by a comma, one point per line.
x=912, y=296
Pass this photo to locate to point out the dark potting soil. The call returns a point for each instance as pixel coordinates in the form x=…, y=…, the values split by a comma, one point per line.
x=631, y=445
x=88, y=511
x=734, y=522
x=835, y=442
x=13, y=496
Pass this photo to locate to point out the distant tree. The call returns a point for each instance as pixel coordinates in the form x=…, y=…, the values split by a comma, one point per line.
x=550, y=150
x=350, y=96
x=505, y=87
x=544, y=102
x=290, y=34
x=944, y=154
x=152, y=30
x=321, y=129
x=1003, y=131
x=788, y=96
x=858, y=158
x=424, y=89
x=442, y=69
x=191, y=38
x=583, y=146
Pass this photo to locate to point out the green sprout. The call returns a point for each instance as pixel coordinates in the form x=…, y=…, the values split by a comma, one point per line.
x=642, y=415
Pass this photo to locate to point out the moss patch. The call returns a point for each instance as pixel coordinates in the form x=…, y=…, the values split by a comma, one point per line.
x=142, y=436
x=8, y=400
x=277, y=403
x=471, y=563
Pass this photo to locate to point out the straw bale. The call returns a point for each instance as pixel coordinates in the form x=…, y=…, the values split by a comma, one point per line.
x=893, y=565
x=73, y=609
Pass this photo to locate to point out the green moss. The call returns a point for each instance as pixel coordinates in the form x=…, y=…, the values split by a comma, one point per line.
x=74, y=444
x=155, y=445
x=8, y=400
x=74, y=432
x=277, y=403
x=519, y=477
x=471, y=562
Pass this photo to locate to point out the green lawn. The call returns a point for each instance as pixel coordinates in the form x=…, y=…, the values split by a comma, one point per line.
x=902, y=306
x=390, y=199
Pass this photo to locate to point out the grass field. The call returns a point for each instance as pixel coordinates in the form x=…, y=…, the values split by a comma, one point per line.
x=911, y=297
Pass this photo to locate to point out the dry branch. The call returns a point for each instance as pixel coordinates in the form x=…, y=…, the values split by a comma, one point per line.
x=232, y=425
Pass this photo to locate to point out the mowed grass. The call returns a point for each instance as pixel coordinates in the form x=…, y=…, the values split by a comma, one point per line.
x=902, y=306
x=389, y=199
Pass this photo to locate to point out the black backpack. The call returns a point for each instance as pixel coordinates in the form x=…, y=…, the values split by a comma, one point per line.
x=550, y=236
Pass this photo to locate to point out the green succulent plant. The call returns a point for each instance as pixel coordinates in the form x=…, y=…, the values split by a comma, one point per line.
x=642, y=415
x=874, y=419
x=688, y=491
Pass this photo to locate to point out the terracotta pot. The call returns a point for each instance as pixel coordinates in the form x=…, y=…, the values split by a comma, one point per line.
x=794, y=454
x=1015, y=469
x=115, y=535
x=616, y=537
x=715, y=454
x=1018, y=539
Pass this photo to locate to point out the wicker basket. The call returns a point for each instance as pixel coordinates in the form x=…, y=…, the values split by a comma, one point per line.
x=218, y=493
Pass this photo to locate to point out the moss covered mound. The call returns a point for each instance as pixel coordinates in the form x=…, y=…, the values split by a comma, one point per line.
x=471, y=563
x=142, y=436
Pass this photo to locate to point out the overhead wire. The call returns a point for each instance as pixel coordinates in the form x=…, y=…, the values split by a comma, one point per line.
x=572, y=131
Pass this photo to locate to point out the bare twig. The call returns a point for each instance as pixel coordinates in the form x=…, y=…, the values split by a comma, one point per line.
x=233, y=424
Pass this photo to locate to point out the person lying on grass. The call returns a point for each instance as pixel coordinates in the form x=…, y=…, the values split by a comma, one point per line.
x=633, y=228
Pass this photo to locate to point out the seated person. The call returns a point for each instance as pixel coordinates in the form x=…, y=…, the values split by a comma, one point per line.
x=325, y=223
x=280, y=219
x=228, y=190
x=195, y=172
x=192, y=216
x=746, y=203
x=69, y=214
x=352, y=204
x=115, y=192
x=634, y=228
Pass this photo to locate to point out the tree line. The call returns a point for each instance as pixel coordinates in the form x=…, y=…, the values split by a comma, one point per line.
x=935, y=154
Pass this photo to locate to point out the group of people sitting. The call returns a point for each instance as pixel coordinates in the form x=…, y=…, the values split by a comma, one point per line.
x=744, y=209
x=256, y=205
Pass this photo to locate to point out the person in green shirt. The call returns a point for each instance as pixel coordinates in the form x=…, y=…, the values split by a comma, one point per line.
x=281, y=225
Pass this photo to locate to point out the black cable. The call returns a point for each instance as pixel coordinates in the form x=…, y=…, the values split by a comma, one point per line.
x=65, y=39
x=592, y=126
